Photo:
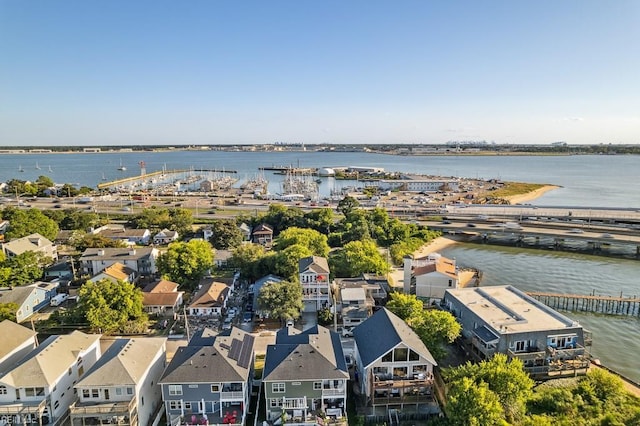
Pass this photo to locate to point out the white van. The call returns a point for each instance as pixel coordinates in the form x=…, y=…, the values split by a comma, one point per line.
x=58, y=299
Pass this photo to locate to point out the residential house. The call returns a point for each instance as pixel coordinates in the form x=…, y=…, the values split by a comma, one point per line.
x=34, y=242
x=221, y=258
x=503, y=319
x=246, y=231
x=210, y=384
x=305, y=376
x=140, y=259
x=354, y=305
x=17, y=341
x=393, y=365
x=429, y=277
x=116, y=272
x=162, y=298
x=4, y=226
x=262, y=234
x=376, y=286
x=165, y=237
x=61, y=270
x=210, y=300
x=39, y=389
x=122, y=387
x=29, y=298
x=314, y=277
x=140, y=237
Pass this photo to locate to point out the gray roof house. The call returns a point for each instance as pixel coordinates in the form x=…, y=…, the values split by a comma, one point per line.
x=122, y=387
x=17, y=341
x=210, y=384
x=165, y=236
x=140, y=259
x=34, y=242
x=305, y=376
x=314, y=277
x=503, y=319
x=29, y=298
x=394, y=367
x=38, y=389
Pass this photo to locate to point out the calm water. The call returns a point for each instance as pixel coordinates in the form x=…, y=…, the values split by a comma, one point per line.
x=615, y=339
x=598, y=181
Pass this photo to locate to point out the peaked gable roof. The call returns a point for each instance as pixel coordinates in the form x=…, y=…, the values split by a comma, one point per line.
x=115, y=253
x=262, y=229
x=314, y=354
x=32, y=242
x=229, y=359
x=382, y=332
x=211, y=295
x=49, y=361
x=118, y=271
x=315, y=264
x=13, y=336
x=125, y=362
x=161, y=286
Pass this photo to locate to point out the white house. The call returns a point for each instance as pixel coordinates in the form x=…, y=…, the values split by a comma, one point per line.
x=17, y=341
x=122, y=387
x=34, y=242
x=210, y=300
x=431, y=276
x=140, y=259
x=165, y=237
x=38, y=389
x=314, y=277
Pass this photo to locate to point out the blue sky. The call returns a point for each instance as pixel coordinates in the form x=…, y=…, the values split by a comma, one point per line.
x=216, y=72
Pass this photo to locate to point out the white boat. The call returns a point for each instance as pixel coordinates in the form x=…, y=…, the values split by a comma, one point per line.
x=122, y=168
x=50, y=169
x=38, y=166
x=20, y=169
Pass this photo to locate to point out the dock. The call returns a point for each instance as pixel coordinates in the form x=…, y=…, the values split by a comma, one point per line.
x=130, y=179
x=609, y=305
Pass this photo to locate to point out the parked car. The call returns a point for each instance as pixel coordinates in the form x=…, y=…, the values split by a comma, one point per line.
x=247, y=317
x=347, y=332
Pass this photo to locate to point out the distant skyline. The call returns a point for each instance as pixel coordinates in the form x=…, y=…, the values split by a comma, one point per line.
x=156, y=72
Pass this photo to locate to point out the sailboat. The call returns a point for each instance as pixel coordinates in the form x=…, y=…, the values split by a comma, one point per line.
x=103, y=178
x=38, y=166
x=20, y=169
x=50, y=169
x=122, y=168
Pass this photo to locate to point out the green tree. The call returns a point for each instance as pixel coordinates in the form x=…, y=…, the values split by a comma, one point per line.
x=82, y=241
x=225, y=234
x=282, y=300
x=325, y=316
x=246, y=258
x=347, y=205
x=26, y=267
x=473, y=404
x=406, y=306
x=180, y=220
x=322, y=220
x=186, y=263
x=285, y=262
x=358, y=257
x=27, y=222
x=112, y=306
x=8, y=311
x=280, y=217
x=310, y=238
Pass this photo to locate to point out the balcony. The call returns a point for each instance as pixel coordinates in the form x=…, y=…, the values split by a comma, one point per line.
x=396, y=390
x=553, y=362
x=294, y=403
x=329, y=392
x=232, y=396
x=106, y=412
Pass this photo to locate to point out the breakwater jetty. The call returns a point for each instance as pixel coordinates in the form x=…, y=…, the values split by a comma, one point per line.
x=609, y=305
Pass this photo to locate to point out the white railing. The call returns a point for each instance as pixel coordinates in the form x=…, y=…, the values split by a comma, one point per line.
x=232, y=396
x=334, y=392
x=294, y=403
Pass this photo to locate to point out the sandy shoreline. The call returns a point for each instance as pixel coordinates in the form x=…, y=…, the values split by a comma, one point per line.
x=530, y=196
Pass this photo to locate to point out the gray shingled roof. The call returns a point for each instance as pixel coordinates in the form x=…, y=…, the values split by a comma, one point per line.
x=314, y=354
x=13, y=336
x=124, y=363
x=315, y=263
x=382, y=332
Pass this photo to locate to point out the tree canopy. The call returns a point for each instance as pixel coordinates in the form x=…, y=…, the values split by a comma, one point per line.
x=186, y=263
x=112, y=306
x=358, y=257
x=225, y=234
x=310, y=238
x=246, y=258
x=8, y=311
x=282, y=300
x=156, y=219
x=22, y=269
x=27, y=222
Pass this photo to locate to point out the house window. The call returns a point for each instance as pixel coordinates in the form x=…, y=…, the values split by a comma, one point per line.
x=277, y=388
x=400, y=354
x=187, y=405
x=275, y=402
x=56, y=405
x=450, y=283
x=175, y=405
x=130, y=391
x=95, y=393
x=413, y=356
x=119, y=391
x=86, y=393
x=317, y=385
x=215, y=387
x=3, y=390
x=175, y=389
x=520, y=345
x=388, y=357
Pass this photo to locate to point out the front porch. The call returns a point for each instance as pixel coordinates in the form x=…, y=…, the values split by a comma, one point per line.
x=229, y=415
x=402, y=390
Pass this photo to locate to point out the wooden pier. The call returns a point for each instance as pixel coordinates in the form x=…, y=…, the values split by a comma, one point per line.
x=610, y=305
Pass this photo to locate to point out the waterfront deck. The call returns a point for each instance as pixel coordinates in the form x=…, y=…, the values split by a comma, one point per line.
x=611, y=305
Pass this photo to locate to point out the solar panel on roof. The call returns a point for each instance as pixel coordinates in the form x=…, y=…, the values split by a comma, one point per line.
x=247, y=349
x=236, y=347
x=224, y=346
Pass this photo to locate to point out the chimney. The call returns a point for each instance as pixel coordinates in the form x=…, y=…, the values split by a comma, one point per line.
x=408, y=260
x=101, y=252
x=132, y=252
